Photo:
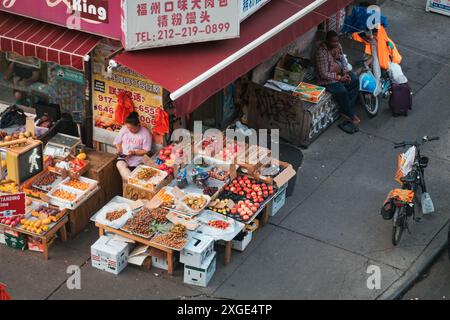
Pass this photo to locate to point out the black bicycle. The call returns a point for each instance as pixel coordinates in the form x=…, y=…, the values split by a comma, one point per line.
x=414, y=180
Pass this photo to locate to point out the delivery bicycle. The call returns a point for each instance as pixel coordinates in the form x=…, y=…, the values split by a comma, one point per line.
x=400, y=206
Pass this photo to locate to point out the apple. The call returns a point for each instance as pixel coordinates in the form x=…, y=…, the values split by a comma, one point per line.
x=254, y=209
x=234, y=211
x=246, y=218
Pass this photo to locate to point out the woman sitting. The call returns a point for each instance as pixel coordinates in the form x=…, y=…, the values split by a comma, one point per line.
x=133, y=142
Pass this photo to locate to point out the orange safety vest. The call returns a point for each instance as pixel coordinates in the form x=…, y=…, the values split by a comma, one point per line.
x=386, y=53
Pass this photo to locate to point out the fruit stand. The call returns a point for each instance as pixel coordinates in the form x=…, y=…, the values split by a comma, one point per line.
x=44, y=196
x=181, y=209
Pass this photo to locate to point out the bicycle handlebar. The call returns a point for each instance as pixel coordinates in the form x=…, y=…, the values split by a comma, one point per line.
x=416, y=143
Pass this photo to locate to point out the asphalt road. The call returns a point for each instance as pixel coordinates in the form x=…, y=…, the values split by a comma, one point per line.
x=434, y=284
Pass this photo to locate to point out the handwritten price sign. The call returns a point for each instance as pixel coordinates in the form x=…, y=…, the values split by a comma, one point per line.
x=159, y=23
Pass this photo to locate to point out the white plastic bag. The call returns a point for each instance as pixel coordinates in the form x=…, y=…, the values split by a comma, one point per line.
x=116, y=224
x=396, y=73
x=408, y=160
x=427, y=203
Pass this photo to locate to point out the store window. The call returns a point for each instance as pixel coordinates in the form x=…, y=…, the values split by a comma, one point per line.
x=23, y=80
x=27, y=81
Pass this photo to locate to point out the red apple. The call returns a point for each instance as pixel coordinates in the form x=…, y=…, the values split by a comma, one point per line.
x=245, y=218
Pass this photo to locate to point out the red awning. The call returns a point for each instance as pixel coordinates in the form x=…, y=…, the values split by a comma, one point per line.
x=197, y=71
x=32, y=38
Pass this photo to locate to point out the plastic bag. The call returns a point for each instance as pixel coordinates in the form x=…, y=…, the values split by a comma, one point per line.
x=161, y=126
x=116, y=224
x=396, y=74
x=405, y=163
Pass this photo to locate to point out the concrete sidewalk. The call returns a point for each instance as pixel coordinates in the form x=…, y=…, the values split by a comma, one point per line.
x=321, y=243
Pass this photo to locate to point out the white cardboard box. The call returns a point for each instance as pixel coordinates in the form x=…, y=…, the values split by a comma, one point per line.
x=197, y=250
x=278, y=202
x=200, y=276
x=161, y=262
x=2, y=235
x=241, y=245
x=109, y=255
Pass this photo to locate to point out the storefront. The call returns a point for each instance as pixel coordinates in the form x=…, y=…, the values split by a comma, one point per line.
x=166, y=204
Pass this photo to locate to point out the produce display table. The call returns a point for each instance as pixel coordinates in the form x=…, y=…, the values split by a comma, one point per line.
x=60, y=227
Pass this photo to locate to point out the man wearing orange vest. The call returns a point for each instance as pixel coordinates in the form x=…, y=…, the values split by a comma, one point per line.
x=386, y=48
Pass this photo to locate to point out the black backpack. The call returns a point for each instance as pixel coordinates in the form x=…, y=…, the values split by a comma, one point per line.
x=13, y=116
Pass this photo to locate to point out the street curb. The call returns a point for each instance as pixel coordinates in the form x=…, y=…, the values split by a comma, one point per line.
x=431, y=253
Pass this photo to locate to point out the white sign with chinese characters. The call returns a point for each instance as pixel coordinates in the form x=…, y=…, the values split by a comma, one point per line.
x=249, y=7
x=161, y=23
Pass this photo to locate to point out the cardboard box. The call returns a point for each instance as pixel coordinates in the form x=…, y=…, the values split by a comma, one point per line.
x=309, y=92
x=241, y=241
x=200, y=276
x=17, y=242
x=109, y=255
x=287, y=172
x=160, y=261
x=197, y=250
x=278, y=202
x=35, y=244
x=284, y=75
x=2, y=235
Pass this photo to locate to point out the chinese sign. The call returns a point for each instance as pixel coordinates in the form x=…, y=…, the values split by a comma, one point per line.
x=439, y=6
x=249, y=7
x=12, y=205
x=145, y=95
x=102, y=17
x=157, y=23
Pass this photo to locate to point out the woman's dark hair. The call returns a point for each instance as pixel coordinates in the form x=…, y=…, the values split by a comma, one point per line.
x=133, y=119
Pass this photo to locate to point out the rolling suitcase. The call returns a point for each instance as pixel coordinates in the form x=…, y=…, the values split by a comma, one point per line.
x=400, y=101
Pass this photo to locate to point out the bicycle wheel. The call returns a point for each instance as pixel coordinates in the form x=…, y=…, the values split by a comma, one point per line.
x=370, y=104
x=399, y=225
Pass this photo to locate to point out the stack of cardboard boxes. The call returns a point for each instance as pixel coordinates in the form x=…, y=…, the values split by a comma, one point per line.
x=199, y=260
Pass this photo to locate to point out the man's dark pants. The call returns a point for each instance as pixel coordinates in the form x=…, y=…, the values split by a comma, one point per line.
x=345, y=94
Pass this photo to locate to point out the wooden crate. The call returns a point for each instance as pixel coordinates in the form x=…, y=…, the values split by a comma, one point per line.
x=103, y=169
x=299, y=122
x=79, y=218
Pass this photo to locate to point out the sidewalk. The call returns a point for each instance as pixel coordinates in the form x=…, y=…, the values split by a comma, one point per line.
x=320, y=244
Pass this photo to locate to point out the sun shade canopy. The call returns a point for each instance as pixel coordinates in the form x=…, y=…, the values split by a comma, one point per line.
x=193, y=73
x=32, y=38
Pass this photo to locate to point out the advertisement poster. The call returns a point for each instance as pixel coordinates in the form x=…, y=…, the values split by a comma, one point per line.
x=249, y=7
x=101, y=17
x=158, y=23
x=146, y=96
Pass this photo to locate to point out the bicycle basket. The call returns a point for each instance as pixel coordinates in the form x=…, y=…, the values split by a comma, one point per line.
x=388, y=210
